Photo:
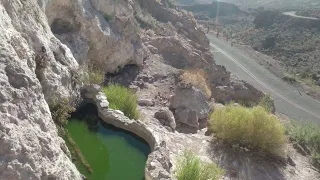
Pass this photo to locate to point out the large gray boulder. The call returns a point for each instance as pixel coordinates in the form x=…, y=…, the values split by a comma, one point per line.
x=165, y=116
x=190, y=105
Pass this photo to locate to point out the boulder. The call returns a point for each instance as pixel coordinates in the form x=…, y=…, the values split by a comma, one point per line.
x=165, y=116
x=238, y=90
x=188, y=117
x=190, y=107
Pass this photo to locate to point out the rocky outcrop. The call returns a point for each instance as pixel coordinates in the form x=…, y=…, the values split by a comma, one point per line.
x=102, y=32
x=190, y=107
x=184, y=21
x=158, y=164
x=237, y=91
x=34, y=66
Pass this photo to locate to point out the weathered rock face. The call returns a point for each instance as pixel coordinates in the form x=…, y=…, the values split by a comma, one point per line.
x=184, y=21
x=100, y=31
x=34, y=65
x=191, y=50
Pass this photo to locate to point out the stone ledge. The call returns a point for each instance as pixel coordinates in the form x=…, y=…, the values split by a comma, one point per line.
x=158, y=162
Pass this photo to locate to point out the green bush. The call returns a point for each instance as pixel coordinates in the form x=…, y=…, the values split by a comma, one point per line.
x=109, y=17
x=190, y=167
x=289, y=79
x=307, y=135
x=122, y=99
x=251, y=127
x=60, y=111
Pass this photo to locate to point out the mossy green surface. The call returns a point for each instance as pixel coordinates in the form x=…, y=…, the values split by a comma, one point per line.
x=111, y=153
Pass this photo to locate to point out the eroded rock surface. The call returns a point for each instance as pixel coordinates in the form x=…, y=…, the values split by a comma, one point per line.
x=165, y=117
x=34, y=66
x=102, y=32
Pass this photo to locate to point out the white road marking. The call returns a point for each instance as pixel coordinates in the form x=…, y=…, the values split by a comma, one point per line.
x=260, y=82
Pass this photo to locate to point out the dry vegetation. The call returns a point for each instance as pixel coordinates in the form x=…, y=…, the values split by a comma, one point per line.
x=198, y=78
x=307, y=135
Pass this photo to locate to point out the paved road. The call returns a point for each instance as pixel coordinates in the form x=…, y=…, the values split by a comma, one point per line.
x=293, y=14
x=287, y=99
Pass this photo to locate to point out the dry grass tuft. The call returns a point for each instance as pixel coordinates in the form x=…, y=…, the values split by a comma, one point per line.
x=198, y=78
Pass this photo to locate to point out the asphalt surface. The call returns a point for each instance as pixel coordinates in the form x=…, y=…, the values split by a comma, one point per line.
x=288, y=100
x=293, y=14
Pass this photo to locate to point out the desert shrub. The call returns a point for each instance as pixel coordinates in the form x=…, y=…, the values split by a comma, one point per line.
x=289, y=79
x=92, y=75
x=190, y=167
x=198, y=79
x=60, y=110
x=246, y=103
x=109, y=17
x=253, y=127
x=267, y=103
x=122, y=99
x=307, y=135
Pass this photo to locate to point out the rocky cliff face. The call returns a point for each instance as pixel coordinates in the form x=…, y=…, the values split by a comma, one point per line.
x=34, y=66
x=102, y=32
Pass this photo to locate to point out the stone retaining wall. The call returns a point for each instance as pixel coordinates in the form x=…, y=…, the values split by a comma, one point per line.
x=158, y=164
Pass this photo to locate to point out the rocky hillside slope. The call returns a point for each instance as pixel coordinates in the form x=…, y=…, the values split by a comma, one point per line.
x=309, y=13
x=46, y=44
x=293, y=42
x=206, y=11
x=276, y=4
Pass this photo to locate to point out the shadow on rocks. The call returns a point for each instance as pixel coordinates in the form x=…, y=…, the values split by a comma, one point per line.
x=240, y=163
x=125, y=76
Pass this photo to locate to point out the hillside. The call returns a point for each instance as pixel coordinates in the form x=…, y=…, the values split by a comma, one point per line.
x=276, y=4
x=273, y=4
x=212, y=10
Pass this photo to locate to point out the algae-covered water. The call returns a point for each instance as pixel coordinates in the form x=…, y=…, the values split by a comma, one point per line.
x=112, y=153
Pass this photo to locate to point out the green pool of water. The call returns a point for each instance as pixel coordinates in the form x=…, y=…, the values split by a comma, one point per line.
x=112, y=153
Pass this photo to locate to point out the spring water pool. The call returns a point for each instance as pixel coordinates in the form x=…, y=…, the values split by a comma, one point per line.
x=112, y=153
